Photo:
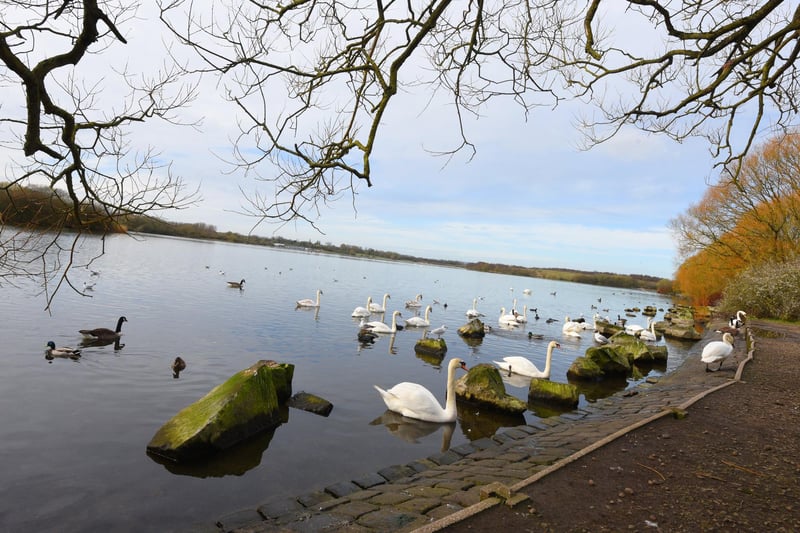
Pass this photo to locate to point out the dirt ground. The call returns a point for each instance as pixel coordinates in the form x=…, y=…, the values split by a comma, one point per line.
x=732, y=464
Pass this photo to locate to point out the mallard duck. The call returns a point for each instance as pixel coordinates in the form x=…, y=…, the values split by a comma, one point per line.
x=178, y=366
x=236, y=284
x=104, y=333
x=52, y=352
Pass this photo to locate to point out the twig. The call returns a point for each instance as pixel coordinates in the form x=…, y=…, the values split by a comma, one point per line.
x=707, y=475
x=734, y=465
x=654, y=470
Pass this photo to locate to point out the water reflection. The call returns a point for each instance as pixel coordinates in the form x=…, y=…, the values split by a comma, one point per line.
x=411, y=430
x=480, y=422
x=234, y=461
x=99, y=342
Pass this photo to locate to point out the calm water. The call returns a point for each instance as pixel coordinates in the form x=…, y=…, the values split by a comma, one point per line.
x=74, y=432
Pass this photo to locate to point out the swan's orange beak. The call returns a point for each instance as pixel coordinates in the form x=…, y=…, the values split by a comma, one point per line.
x=464, y=366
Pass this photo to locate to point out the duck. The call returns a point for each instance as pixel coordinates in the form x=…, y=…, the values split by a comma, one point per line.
x=418, y=322
x=416, y=302
x=412, y=400
x=376, y=308
x=236, y=284
x=516, y=364
x=89, y=286
x=104, y=333
x=473, y=312
x=717, y=351
x=178, y=366
x=380, y=327
x=738, y=320
x=532, y=335
x=366, y=336
x=308, y=302
x=362, y=311
x=51, y=352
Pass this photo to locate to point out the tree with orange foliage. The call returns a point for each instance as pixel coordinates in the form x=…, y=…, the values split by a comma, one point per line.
x=750, y=216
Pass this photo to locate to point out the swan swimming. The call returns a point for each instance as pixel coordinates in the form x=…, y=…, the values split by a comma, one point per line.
x=376, y=308
x=380, y=327
x=717, y=351
x=520, y=365
x=362, y=311
x=419, y=322
x=649, y=335
x=474, y=313
x=415, y=401
x=308, y=302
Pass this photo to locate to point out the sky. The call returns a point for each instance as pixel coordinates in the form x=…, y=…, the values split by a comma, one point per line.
x=529, y=196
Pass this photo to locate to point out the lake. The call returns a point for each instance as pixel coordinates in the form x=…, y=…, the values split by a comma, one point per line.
x=74, y=432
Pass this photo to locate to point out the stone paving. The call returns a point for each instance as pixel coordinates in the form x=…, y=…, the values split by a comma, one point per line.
x=403, y=498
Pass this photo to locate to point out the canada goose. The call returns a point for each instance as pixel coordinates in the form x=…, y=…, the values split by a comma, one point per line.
x=104, y=333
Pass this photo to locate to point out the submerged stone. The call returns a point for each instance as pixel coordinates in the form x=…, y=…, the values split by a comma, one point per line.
x=483, y=385
x=244, y=405
x=311, y=403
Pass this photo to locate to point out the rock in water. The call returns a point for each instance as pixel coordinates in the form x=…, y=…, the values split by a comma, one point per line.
x=246, y=404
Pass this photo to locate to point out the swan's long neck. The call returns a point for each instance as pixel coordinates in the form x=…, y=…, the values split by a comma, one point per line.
x=548, y=360
x=450, y=401
x=318, y=293
x=739, y=315
x=394, y=322
x=427, y=312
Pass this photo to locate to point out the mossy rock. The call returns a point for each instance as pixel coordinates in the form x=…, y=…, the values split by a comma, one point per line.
x=483, y=385
x=474, y=329
x=584, y=369
x=431, y=347
x=311, y=403
x=610, y=360
x=246, y=404
x=546, y=392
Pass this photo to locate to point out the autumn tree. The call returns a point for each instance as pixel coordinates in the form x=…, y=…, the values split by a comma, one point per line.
x=315, y=79
x=752, y=212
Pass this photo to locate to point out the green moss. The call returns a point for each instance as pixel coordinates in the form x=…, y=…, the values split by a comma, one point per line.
x=240, y=407
x=544, y=391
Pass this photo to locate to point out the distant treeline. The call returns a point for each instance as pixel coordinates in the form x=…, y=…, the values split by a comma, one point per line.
x=607, y=279
x=42, y=208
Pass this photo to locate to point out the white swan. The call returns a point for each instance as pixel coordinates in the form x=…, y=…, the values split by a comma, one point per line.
x=418, y=322
x=308, y=302
x=516, y=364
x=474, y=313
x=717, y=351
x=380, y=327
x=649, y=335
x=507, y=319
x=571, y=325
x=375, y=308
x=415, y=401
x=362, y=311
x=633, y=329
x=416, y=302
x=738, y=320
x=523, y=318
